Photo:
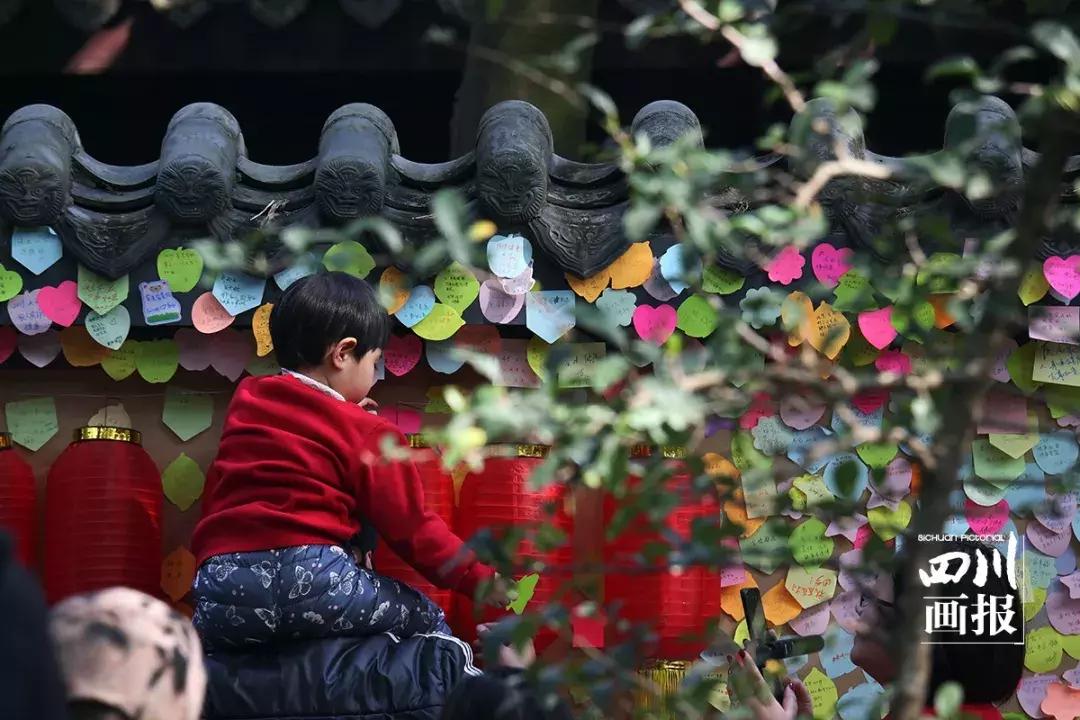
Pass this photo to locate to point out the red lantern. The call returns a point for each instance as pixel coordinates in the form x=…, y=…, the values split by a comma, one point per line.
x=677, y=604
x=439, y=497
x=102, y=515
x=18, y=500
x=500, y=497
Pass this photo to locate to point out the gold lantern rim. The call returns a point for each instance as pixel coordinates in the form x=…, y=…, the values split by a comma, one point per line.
x=531, y=450
x=671, y=452
x=6, y=442
x=521, y=450
x=537, y=450
x=116, y=434
x=667, y=665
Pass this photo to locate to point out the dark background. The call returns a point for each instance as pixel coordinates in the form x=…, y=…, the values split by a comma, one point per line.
x=282, y=84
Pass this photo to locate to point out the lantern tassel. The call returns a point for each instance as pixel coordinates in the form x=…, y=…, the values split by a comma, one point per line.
x=666, y=676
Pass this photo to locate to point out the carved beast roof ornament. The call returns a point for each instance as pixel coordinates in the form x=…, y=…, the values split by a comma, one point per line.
x=116, y=218
x=982, y=134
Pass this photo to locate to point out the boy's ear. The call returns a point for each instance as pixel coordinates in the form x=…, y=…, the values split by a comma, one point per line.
x=341, y=351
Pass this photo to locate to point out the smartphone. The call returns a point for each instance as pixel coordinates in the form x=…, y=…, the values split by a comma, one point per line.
x=766, y=646
x=760, y=637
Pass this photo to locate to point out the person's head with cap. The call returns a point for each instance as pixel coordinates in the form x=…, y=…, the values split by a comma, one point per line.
x=127, y=656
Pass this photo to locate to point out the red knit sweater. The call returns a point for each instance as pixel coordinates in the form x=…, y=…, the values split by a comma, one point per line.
x=299, y=467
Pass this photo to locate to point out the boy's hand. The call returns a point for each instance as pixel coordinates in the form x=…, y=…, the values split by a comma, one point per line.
x=370, y=405
x=509, y=656
x=499, y=594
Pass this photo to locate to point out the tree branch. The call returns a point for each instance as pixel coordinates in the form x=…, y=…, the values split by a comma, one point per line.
x=826, y=171
x=771, y=69
x=1040, y=198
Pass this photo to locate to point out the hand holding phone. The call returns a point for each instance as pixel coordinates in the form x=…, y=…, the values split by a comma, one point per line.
x=764, y=644
x=753, y=692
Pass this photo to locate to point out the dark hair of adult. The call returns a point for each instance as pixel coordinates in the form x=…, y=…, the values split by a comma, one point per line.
x=501, y=694
x=30, y=685
x=89, y=710
x=322, y=309
x=986, y=667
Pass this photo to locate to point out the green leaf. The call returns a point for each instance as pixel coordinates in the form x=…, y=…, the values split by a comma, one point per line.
x=956, y=67
x=758, y=47
x=381, y=228
x=523, y=592
x=1012, y=56
x=349, y=257
x=609, y=371
x=1058, y=40
x=847, y=473
x=948, y=171
x=640, y=220
x=940, y=273
x=637, y=31
x=1021, y=367
x=729, y=11
x=947, y=700
x=853, y=90
x=599, y=100
x=451, y=218
x=567, y=60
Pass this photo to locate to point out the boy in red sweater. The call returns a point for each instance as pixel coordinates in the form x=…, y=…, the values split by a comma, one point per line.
x=300, y=463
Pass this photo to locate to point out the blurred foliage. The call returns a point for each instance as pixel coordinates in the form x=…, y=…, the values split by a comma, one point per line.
x=677, y=189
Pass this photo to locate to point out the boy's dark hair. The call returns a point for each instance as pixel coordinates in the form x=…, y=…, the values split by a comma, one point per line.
x=501, y=694
x=987, y=670
x=318, y=311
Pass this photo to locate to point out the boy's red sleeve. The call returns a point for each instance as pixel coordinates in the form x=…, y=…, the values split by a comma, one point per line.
x=391, y=495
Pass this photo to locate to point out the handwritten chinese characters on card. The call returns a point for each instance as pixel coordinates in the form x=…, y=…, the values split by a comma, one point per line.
x=159, y=305
x=1057, y=364
x=32, y=422
x=578, y=369
x=1054, y=324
